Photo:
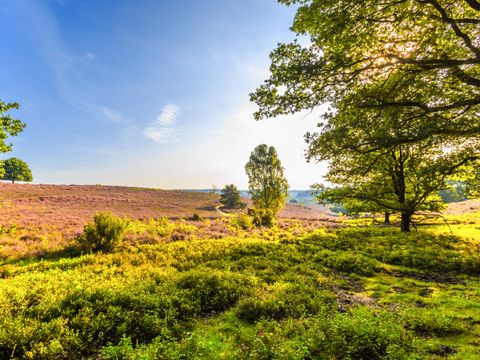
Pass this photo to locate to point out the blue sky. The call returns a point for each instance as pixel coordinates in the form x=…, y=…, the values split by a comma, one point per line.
x=146, y=93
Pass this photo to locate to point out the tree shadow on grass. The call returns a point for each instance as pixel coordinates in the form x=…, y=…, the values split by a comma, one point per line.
x=68, y=252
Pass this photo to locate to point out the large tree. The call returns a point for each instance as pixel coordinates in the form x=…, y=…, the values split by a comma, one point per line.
x=403, y=80
x=420, y=55
x=266, y=183
x=369, y=163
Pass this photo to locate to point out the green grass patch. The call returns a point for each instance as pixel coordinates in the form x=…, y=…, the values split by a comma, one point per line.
x=353, y=293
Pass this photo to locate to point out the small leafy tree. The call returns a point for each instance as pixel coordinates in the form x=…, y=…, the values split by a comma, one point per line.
x=16, y=169
x=213, y=189
x=266, y=183
x=230, y=197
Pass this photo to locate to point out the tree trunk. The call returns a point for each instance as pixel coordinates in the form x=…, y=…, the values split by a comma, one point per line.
x=387, y=217
x=406, y=220
x=13, y=181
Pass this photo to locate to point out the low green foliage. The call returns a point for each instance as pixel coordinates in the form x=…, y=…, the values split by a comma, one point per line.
x=433, y=322
x=348, y=262
x=285, y=300
x=262, y=217
x=343, y=294
x=104, y=234
x=242, y=221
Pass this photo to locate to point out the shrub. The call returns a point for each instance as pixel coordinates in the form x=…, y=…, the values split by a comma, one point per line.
x=213, y=292
x=348, y=262
x=105, y=316
x=242, y=221
x=432, y=322
x=291, y=302
x=104, y=234
x=358, y=334
x=363, y=334
x=196, y=217
x=262, y=217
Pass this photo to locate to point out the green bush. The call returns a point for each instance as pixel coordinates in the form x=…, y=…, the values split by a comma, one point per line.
x=293, y=301
x=348, y=262
x=362, y=334
x=242, y=221
x=196, y=217
x=262, y=217
x=213, y=292
x=355, y=335
x=105, y=316
x=104, y=234
x=432, y=322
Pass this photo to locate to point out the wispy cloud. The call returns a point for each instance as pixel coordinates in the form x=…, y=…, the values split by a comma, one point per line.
x=161, y=129
x=89, y=56
x=168, y=116
x=113, y=116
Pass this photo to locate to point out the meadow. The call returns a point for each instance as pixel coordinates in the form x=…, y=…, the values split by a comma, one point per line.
x=213, y=287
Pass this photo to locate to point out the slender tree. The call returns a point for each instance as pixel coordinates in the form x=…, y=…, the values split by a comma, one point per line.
x=266, y=183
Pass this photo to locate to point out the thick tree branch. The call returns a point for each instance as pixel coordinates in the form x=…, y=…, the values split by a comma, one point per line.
x=425, y=107
x=466, y=39
x=473, y=4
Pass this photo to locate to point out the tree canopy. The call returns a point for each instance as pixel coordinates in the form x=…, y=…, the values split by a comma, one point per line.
x=16, y=170
x=9, y=126
x=230, y=197
x=421, y=55
x=266, y=182
x=371, y=166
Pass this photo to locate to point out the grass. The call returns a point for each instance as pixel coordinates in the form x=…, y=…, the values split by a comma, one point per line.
x=353, y=293
x=218, y=289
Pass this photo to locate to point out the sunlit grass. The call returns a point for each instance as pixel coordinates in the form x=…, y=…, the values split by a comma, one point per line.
x=221, y=289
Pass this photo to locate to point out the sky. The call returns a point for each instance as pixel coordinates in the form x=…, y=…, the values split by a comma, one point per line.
x=150, y=93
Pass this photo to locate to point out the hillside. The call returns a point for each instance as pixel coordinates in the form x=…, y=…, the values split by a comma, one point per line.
x=47, y=217
x=73, y=205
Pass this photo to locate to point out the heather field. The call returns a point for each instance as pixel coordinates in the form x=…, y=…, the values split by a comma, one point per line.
x=37, y=219
x=218, y=288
